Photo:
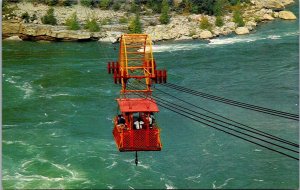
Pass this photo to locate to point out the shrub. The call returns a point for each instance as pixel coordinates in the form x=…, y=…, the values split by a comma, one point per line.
x=104, y=4
x=134, y=7
x=67, y=2
x=72, y=22
x=238, y=19
x=91, y=25
x=51, y=2
x=220, y=6
x=155, y=5
x=25, y=16
x=49, y=17
x=86, y=3
x=219, y=21
x=164, y=17
x=116, y=6
x=123, y=20
x=205, y=24
x=135, y=25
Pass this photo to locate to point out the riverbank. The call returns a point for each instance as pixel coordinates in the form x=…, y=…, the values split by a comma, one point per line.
x=114, y=23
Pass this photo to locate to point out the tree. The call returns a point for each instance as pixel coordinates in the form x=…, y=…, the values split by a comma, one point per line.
x=72, y=22
x=220, y=6
x=205, y=24
x=104, y=4
x=91, y=25
x=49, y=18
x=238, y=19
x=135, y=25
x=219, y=21
x=164, y=17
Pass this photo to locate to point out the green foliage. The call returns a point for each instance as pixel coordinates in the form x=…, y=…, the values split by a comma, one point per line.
x=105, y=4
x=116, y=6
x=49, y=17
x=134, y=8
x=51, y=2
x=220, y=6
x=219, y=21
x=164, y=17
x=89, y=3
x=187, y=6
x=72, y=22
x=67, y=2
x=123, y=20
x=25, y=16
x=91, y=25
x=204, y=6
x=155, y=5
x=205, y=24
x=238, y=19
x=86, y=3
x=135, y=25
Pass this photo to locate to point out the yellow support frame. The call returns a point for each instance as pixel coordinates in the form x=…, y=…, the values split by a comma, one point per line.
x=135, y=50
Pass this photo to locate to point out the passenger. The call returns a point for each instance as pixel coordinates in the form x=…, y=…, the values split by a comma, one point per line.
x=141, y=124
x=151, y=119
x=138, y=123
x=121, y=122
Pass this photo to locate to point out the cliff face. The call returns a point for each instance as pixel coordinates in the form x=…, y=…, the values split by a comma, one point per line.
x=180, y=26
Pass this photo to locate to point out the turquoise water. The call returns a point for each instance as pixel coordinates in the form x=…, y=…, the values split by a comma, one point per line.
x=58, y=104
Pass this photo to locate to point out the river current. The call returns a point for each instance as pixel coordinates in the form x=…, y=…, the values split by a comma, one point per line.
x=58, y=104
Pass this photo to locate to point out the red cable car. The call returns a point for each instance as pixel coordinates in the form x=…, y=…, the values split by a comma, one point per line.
x=137, y=131
x=135, y=128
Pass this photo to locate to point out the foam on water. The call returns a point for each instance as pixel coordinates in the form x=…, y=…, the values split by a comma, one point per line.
x=222, y=185
x=195, y=178
x=27, y=89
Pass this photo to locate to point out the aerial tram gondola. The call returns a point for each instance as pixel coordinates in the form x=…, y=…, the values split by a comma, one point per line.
x=135, y=127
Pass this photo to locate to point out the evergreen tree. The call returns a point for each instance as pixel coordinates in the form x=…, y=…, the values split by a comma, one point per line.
x=220, y=6
x=219, y=21
x=72, y=22
x=135, y=25
x=49, y=17
x=164, y=17
x=238, y=19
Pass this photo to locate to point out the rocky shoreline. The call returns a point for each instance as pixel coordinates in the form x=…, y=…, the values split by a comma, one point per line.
x=181, y=27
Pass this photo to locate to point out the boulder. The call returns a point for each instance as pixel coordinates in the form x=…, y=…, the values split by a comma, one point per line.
x=13, y=38
x=269, y=4
x=206, y=34
x=287, y=15
x=267, y=17
x=241, y=30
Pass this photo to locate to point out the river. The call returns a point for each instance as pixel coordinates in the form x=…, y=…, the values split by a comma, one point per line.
x=58, y=104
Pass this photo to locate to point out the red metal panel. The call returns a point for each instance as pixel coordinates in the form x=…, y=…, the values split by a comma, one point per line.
x=137, y=105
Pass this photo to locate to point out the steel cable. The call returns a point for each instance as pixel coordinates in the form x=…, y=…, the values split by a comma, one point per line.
x=234, y=103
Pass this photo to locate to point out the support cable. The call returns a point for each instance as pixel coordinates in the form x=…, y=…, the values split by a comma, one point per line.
x=259, y=131
x=234, y=103
x=200, y=120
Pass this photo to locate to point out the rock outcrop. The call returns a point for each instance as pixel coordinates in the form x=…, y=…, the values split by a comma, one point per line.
x=241, y=30
x=181, y=27
x=287, y=15
x=206, y=34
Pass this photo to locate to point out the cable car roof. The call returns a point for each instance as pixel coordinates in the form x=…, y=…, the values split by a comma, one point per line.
x=137, y=105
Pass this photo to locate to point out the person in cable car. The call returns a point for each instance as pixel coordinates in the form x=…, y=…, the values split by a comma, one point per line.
x=138, y=123
x=121, y=121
